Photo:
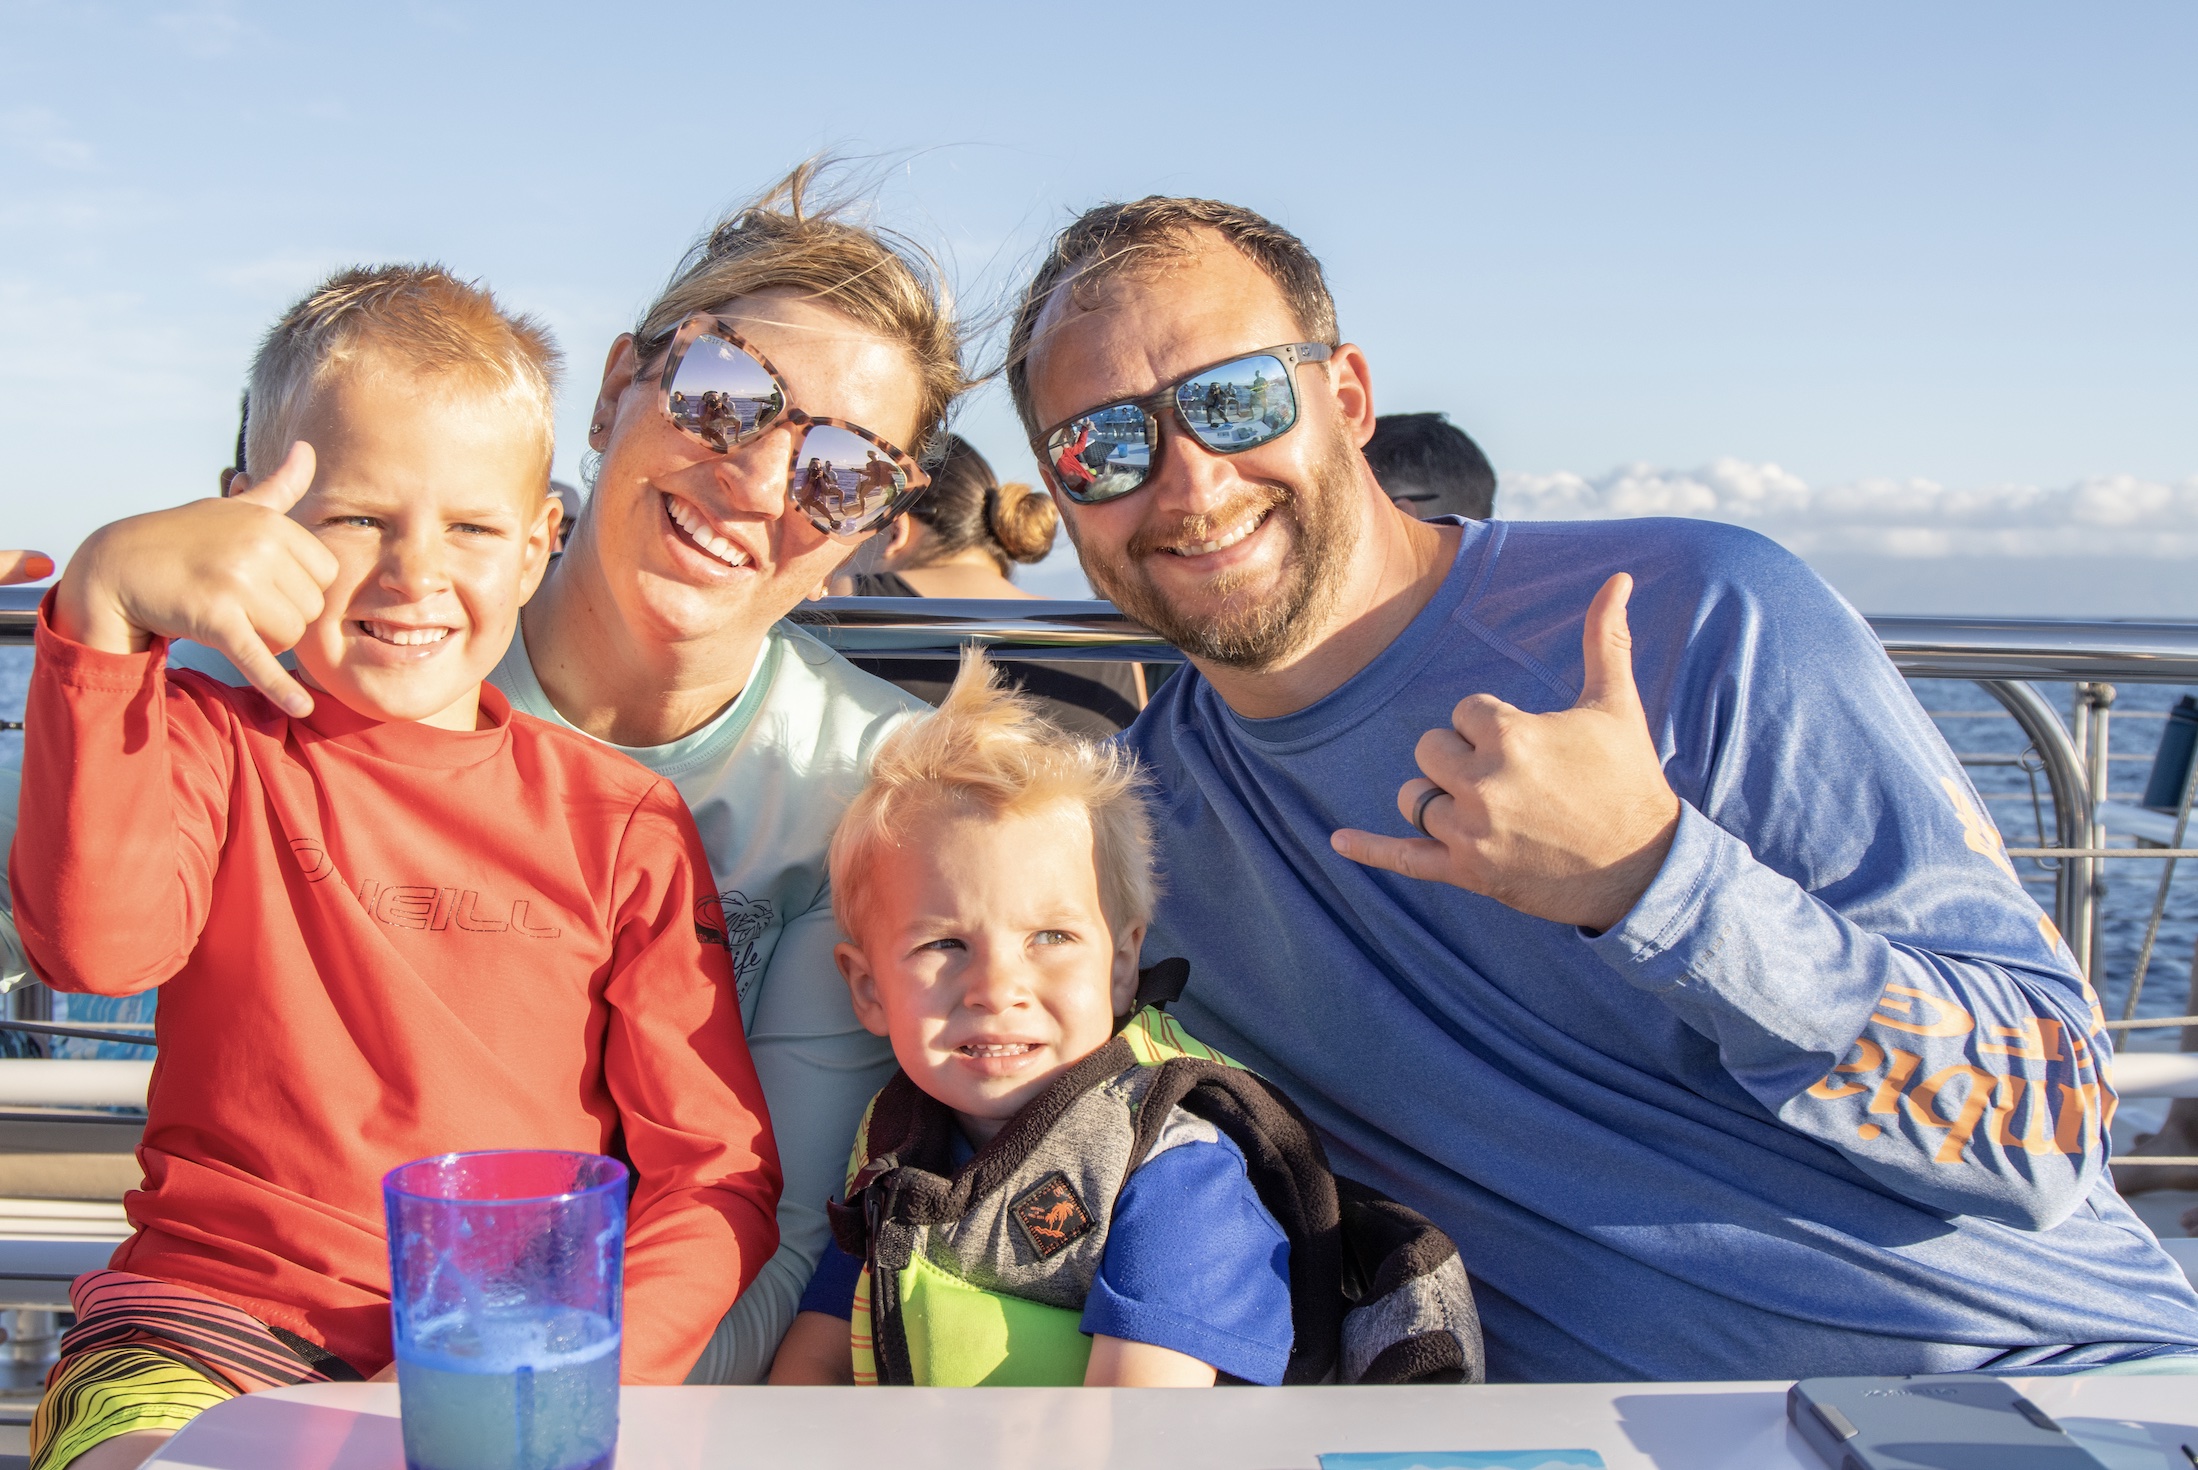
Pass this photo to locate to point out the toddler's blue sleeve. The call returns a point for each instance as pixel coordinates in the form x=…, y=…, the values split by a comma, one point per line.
x=1195, y=1263
x=831, y=1289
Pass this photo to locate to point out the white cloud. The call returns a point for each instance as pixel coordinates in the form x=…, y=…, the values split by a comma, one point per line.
x=37, y=133
x=208, y=29
x=2104, y=515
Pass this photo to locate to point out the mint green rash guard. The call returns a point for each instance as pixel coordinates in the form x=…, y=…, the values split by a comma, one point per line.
x=1825, y=1102
x=767, y=781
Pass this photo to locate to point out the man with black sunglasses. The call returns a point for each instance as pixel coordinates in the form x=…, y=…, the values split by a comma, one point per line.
x=1706, y=1014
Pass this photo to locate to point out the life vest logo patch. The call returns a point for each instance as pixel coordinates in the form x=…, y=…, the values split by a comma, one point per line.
x=1050, y=1215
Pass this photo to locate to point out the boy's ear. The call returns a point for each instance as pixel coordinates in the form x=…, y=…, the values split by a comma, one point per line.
x=1127, y=945
x=541, y=541
x=862, y=986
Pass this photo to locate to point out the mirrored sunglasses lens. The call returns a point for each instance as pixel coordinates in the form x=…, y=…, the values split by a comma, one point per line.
x=844, y=482
x=1104, y=454
x=1239, y=405
x=721, y=395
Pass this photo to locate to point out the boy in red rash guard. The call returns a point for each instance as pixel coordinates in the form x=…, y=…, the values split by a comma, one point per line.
x=390, y=917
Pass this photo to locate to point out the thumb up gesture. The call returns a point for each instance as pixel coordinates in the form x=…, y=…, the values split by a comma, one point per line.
x=1564, y=816
x=236, y=574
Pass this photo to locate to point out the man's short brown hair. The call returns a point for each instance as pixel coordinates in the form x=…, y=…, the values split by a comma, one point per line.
x=1122, y=239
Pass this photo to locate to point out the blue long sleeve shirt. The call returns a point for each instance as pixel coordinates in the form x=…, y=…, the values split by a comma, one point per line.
x=1828, y=1100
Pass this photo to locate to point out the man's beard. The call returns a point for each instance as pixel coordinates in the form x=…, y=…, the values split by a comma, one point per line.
x=1252, y=628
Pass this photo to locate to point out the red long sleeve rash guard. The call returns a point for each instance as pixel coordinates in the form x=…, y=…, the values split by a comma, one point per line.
x=377, y=942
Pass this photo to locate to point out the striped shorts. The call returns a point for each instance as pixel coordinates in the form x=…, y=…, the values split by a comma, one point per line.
x=145, y=1354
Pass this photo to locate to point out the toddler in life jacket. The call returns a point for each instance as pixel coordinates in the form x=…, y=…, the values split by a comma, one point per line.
x=1060, y=1186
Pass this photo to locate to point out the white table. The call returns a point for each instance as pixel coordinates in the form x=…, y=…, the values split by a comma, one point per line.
x=2131, y=1423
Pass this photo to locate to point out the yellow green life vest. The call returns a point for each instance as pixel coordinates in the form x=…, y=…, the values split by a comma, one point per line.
x=978, y=1274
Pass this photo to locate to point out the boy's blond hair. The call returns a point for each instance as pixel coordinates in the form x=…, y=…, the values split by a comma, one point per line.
x=988, y=749
x=413, y=316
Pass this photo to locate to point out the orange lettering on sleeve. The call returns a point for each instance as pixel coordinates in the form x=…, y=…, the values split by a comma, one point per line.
x=2077, y=1128
x=1873, y=1057
x=1942, y=1017
x=1923, y=1104
x=1887, y=1097
x=2029, y=1041
x=2034, y=1139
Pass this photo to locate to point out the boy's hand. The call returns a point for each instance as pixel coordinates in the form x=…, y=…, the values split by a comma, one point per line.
x=237, y=575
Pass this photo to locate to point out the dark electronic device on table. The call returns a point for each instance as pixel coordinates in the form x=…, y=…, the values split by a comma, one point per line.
x=1953, y=1421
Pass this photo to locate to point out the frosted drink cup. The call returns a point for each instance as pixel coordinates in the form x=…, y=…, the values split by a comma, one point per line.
x=505, y=1271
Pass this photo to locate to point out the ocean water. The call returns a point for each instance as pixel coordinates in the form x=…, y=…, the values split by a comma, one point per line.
x=1973, y=725
x=518, y=1391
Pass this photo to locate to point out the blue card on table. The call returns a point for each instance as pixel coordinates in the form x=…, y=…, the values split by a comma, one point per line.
x=1466, y=1460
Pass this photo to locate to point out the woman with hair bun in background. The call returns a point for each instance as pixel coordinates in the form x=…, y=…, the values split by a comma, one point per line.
x=963, y=538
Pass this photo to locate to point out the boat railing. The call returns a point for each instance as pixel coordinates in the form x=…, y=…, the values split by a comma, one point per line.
x=2006, y=657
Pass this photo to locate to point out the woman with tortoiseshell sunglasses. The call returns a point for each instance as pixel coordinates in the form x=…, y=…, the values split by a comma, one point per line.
x=769, y=412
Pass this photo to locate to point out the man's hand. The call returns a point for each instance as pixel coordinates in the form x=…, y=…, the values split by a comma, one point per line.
x=1564, y=816
x=237, y=575
x=24, y=566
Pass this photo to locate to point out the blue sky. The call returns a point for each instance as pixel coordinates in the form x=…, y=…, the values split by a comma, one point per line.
x=1923, y=271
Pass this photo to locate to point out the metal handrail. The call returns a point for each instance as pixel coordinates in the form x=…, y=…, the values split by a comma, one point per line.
x=1999, y=654
x=1924, y=648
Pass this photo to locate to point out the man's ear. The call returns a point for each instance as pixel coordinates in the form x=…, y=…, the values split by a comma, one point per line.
x=1354, y=385
x=618, y=372
x=1127, y=946
x=862, y=986
x=230, y=475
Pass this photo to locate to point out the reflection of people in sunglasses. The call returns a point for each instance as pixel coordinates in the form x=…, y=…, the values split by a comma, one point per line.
x=1069, y=463
x=820, y=489
x=1216, y=406
x=879, y=478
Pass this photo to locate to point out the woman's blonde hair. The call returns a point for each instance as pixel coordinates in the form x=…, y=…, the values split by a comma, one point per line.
x=987, y=749
x=415, y=316
x=798, y=235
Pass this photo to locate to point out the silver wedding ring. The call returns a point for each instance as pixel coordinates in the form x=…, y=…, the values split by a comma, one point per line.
x=1419, y=808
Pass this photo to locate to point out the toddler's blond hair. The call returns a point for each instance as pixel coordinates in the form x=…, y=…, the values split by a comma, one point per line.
x=987, y=749
x=413, y=316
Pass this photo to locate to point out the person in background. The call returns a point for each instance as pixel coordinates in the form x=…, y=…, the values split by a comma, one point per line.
x=963, y=539
x=573, y=501
x=24, y=566
x=15, y=567
x=1431, y=467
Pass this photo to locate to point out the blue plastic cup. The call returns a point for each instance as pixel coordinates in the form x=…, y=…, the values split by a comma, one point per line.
x=505, y=1271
